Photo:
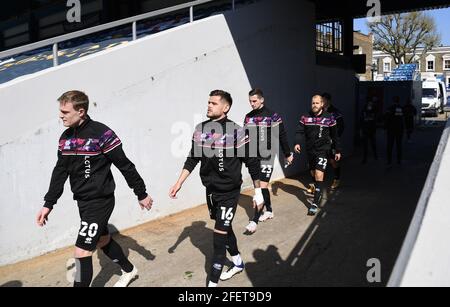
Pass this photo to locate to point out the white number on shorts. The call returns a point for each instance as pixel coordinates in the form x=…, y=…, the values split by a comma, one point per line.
x=266, y=169
x=93, y=228
x=228, y=215
x=92, y=231
x=323, y=162
x=84, y=226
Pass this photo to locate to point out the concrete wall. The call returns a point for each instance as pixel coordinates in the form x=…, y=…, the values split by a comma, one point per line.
x=429, y=264
x=385, y=91
x=152, y=92
x=424, y=258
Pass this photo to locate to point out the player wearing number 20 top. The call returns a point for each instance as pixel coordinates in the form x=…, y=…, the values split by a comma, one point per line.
x=86, y=151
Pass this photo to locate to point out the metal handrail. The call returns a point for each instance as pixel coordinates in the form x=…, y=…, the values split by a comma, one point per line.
x=130, y=20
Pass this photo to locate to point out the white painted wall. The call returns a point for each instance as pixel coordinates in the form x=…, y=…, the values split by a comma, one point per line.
x=145, y=91
x=429, y=264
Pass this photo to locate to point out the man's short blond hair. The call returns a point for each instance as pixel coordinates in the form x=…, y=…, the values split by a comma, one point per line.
x=78, y=99
x=318, y=96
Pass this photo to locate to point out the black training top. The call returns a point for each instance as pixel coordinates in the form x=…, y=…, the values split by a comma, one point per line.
x=221, y=147
x=85, y=155
x=264, y=120
x=395, y=118
x=368, y=119
x=339, y=119
x=319, y=132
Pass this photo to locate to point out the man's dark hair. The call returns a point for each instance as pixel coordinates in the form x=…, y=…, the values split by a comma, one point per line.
x=223, y=95
x=258, y=92
x=327, y=96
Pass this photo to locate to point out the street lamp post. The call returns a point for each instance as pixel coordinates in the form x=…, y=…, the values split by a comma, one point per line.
x=373, y=70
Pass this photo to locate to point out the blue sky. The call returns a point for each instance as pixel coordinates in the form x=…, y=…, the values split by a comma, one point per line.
x=442, y=18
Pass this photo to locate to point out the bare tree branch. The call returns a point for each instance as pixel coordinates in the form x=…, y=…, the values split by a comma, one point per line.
x=402, y=35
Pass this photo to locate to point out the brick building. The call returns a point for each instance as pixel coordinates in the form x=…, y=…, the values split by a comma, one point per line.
x=364, y=45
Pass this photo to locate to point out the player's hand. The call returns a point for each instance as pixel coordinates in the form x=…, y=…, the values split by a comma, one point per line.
x=298, y=148
x=258, y=199
x=290, y=159
x=337, y=157
x=146, y=203
x=42, y=216
x=174, y=190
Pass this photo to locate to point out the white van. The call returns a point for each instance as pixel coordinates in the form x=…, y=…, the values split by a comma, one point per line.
x=434, y=97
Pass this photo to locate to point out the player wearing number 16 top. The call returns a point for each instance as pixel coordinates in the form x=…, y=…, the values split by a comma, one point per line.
x=221, y=146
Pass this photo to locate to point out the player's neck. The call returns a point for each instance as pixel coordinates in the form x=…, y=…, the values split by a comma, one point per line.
x=220, y=118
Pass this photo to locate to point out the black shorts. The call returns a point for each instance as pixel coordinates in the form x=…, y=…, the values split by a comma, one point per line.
x=266, y=170
x=94, y=215
x=318, y=161
x=222, y=208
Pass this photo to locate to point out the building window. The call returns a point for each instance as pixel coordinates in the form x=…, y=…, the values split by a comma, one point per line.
x=416, y=60
x=329, y=37
x=387, y=65
x=430, y=63
x=447, y=64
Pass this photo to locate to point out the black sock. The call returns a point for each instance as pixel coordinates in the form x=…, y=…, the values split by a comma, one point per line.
x=337, y=173
x=257, y=215
x=318, y=193
x=115, y=253
x=220, y=252
x=83, y=276
x=232, y=243
x=267, y=203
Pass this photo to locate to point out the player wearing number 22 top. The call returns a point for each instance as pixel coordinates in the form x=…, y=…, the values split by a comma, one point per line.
x=318, y=131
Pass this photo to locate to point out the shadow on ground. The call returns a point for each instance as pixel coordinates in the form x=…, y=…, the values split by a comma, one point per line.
x=108, y=268
x=367, y=218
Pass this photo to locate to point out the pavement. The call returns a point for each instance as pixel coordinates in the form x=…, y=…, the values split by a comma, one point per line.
x=366, y=218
